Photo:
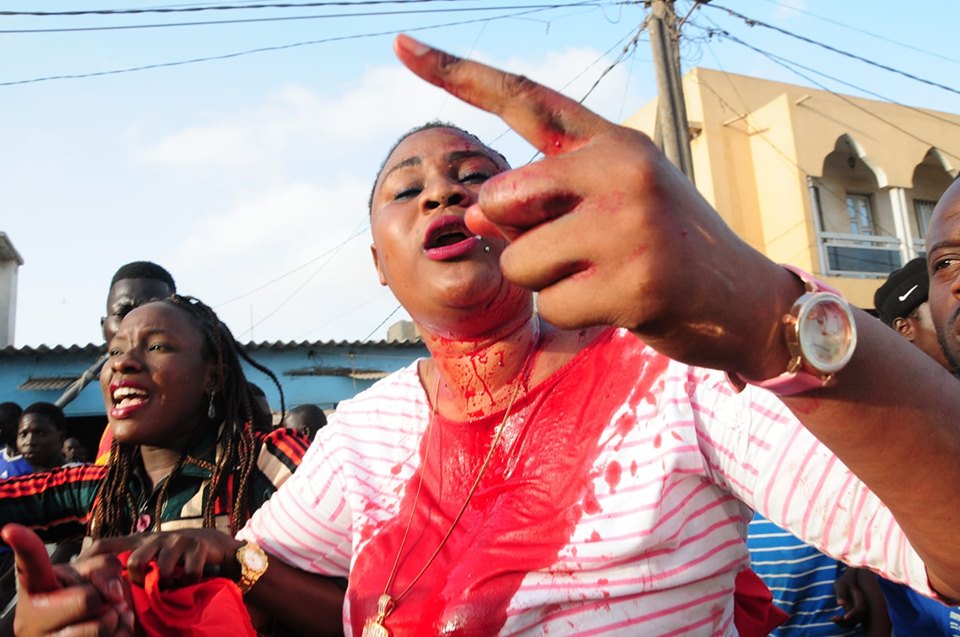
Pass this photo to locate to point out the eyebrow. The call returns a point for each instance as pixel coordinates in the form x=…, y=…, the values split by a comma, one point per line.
x=946, y=243
x=141, y=334
x=457, y=155
x=406, y=163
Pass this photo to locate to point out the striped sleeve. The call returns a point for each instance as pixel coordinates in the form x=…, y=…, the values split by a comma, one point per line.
x=758, y=449
x=281, y=452
x=307, y=522
x=55, y=504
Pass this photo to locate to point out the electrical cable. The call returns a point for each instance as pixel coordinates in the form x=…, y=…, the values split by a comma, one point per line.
x=336, y=248
x=839, y=96
x=267, y=49
x=381, y=323
x=228, y=7
x=361, y=14
x=753, y=22
x=863, y=31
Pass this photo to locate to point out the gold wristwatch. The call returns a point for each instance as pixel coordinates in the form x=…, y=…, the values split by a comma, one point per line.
x=253, y=564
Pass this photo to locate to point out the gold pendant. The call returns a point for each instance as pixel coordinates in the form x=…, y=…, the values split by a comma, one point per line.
x=374, y=626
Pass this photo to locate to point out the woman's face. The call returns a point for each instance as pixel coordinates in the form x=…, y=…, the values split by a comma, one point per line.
x=156, y=381
x=439, y=270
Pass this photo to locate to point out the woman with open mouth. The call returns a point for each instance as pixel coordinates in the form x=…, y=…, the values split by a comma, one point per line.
x=184, y=453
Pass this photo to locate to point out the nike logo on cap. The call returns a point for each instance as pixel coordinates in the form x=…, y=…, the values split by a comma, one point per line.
x=903, y=297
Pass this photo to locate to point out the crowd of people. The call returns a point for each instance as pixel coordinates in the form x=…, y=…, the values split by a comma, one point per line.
x=588, y=463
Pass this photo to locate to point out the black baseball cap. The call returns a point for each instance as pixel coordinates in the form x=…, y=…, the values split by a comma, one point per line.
x=903, y=291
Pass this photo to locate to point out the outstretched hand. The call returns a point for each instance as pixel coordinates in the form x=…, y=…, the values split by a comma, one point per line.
x=610, y=232
x=88, y=600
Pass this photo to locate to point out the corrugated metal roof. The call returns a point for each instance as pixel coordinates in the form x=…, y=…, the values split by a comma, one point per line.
x=47, y=383
x=7, y=251
x=350, y=372
x=93, y=349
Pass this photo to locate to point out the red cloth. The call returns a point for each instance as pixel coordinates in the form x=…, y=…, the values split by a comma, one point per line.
x=754, y=614
x=212, y=608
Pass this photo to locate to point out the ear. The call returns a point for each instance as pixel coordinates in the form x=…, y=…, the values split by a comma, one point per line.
x=376, y=263
x=214, y=378
x=905, y=328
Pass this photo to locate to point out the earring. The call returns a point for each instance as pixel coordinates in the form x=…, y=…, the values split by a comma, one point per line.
x=486, y=247
x=212, y=410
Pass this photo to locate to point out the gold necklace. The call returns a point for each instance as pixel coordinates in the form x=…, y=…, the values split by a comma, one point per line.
x=375, y=626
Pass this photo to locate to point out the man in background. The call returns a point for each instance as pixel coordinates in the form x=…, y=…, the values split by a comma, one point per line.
x=307, y=419
x=11, y=462
x=40, y=435
x=74, y=451
x=903, y=303
x=132, y=285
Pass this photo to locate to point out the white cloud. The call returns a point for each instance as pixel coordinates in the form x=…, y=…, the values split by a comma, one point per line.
x=234, y=197
x=304, y=159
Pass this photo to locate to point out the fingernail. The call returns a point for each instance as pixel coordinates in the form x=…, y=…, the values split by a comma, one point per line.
x=415, y=47
x=130, y=619
x=116, y=590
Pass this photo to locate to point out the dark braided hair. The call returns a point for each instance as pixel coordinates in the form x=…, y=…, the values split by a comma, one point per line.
x=233, y=402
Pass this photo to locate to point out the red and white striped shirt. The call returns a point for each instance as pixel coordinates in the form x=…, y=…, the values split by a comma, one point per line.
x=616, y=503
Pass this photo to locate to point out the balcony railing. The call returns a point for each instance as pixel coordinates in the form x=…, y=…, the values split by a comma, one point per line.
x=856, y=254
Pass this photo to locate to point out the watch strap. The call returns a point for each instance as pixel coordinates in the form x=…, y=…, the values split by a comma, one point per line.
x=812, y=283
x=795, y=380
x=789, y=383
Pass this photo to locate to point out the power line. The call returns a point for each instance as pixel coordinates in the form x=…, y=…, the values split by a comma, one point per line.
x=332, y=253
x=631, y=45
x=359, y=14
x=226, y=7
x=332, y=250
x=381, y=323
x=754, y=22
x=266, y=49
x=883, y=38
x=839, y=96
x=774, y=56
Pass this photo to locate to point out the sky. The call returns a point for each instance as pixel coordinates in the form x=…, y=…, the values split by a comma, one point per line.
x=246, y=173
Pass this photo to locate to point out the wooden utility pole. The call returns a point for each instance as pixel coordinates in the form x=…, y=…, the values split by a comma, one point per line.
x=671, y=108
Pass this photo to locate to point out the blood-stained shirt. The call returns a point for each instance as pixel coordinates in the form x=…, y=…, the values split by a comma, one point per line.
x=616, y=502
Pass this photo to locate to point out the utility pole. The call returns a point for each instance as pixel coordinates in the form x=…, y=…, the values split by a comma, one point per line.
x=672, y=127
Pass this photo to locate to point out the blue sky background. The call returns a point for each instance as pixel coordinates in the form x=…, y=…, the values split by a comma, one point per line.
x=248, y=177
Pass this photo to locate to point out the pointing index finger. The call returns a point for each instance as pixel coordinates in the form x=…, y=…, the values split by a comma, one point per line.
x=552, y=122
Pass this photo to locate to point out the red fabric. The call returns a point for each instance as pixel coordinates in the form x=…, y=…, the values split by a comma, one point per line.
x=754, y=614
x=212, y=608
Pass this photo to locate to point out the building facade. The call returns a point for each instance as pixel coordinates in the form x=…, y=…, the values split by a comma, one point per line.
x=840, y=186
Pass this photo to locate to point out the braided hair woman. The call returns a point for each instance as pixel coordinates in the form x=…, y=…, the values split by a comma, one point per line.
x=229, y=402
x=184, y=453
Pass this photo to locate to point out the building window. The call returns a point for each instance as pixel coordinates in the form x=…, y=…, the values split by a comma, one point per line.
x=923, y=209
x=849, y=241
x=860, y=214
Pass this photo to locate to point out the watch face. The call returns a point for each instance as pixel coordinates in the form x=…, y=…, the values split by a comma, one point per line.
x=254, y=561
x=826, y=333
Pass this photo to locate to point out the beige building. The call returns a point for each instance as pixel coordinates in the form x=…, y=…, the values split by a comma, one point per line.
x=840, y=186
